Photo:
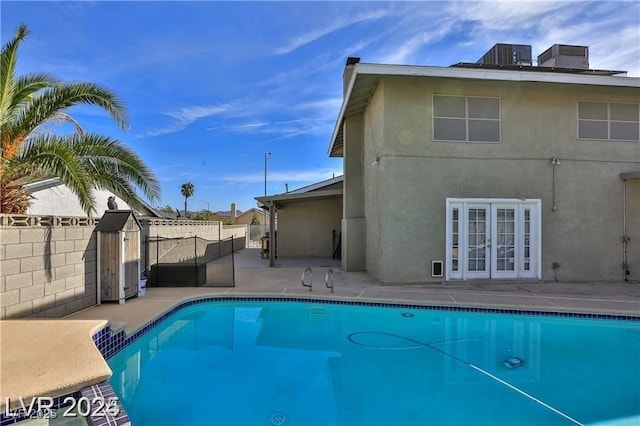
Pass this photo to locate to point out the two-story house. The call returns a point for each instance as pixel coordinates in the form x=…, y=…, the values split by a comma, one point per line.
x=490, y=171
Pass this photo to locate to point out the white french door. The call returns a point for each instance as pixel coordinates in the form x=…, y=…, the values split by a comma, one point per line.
x=493, y=238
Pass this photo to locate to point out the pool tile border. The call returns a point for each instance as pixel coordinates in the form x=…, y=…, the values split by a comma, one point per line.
x=110, y=343
x=104, y=392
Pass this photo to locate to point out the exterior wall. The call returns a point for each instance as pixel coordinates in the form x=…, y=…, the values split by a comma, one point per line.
x=632, y=192
x=48, y=264
x=305, y=227
x=58, y=200
x=415, y=175
x=353, y=223
x=375, y=195
x=247, y=217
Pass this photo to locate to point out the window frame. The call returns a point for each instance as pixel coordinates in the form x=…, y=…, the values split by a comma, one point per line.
x=608, y=120
x=466, y=119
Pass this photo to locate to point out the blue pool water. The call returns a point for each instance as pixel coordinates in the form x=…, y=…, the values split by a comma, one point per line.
x=294, y=363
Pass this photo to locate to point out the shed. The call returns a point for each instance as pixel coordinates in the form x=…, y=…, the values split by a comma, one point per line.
x=118, y=244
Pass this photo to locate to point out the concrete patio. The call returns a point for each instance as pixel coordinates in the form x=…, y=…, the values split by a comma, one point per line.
x=254, y=277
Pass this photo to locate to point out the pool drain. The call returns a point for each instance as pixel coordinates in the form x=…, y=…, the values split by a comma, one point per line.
x=278, y=419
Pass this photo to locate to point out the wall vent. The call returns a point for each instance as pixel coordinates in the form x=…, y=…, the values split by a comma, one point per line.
x=437, y=268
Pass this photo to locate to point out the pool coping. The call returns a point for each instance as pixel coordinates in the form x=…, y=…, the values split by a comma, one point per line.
x=68, y=379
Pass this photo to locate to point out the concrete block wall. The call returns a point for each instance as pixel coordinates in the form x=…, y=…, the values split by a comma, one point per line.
x=172, y=248
x=47, y=265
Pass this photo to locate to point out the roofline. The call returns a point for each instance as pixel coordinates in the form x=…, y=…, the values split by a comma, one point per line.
x=51, y=182
x=42, y=184
x=317, y=185
x=491, y=74
x=301, y=196
x=474, y=74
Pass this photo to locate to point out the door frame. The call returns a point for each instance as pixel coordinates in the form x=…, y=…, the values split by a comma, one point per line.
x=535, y=237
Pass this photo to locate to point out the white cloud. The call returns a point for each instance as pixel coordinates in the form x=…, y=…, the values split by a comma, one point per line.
x=323, y=104
x=336, y=24
x=184, y=117
x=407, y=49
x=290, y=176
x=188, y=115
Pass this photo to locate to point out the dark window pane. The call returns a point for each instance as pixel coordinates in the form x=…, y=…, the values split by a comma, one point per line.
x=449, y=106
x=592, y=110
x=484, y=130
x=448, y=129
x=592, y=129
x=484, y=108
x=624, y=112
x=625, y=131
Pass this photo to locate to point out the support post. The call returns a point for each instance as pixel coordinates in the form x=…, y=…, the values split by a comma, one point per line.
x=272, y=234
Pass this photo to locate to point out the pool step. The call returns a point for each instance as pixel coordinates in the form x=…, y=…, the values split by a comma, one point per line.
x=317, y=310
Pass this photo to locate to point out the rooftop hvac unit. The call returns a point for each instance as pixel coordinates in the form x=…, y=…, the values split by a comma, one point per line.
x=565, y=56
x=507, y=54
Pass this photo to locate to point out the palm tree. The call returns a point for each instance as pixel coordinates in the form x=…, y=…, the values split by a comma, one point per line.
x=83, y=161
x=187, y=190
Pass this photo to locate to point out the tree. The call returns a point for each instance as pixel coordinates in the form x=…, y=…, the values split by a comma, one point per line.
x=187, y=191
x=255, y=220
x=83, y=161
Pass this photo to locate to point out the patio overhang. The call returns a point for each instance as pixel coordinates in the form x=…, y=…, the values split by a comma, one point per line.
x=281, y=199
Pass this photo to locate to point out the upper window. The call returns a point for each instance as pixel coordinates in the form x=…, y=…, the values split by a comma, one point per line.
x=466, y=119
x=608, y=121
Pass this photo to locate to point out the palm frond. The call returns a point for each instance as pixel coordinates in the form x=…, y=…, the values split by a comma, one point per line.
x=52, y=155
x=102, y=155
x=22, y=92
x=51, y=101
x=8, y=60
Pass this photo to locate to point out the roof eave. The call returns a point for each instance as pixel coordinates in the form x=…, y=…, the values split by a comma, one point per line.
x=265, y=201
x=343, y=108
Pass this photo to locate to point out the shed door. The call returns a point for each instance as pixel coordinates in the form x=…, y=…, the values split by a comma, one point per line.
x=131, y=258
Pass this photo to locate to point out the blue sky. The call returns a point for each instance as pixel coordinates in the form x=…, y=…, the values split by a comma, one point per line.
x=211, y=86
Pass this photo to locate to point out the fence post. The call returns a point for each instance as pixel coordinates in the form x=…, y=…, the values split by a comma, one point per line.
x=233, y=265
x=195, y=259
x=146, y=255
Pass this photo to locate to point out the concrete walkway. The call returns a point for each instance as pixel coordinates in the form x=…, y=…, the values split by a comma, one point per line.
x=254, y=277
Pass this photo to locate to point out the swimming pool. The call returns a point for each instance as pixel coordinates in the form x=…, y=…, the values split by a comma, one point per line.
x=299, y=363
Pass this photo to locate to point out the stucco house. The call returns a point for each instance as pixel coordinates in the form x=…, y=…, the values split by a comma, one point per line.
x=51, y=197
x=490, y=171
x=238, y=217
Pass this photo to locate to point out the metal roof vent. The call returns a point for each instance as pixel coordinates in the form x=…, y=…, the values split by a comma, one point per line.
x=507, y=54
x=565, y=56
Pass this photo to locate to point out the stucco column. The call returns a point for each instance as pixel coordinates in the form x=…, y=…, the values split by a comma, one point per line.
x=353, y=222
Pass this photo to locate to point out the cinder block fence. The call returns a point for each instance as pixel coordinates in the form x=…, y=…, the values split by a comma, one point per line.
x=48, y=263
